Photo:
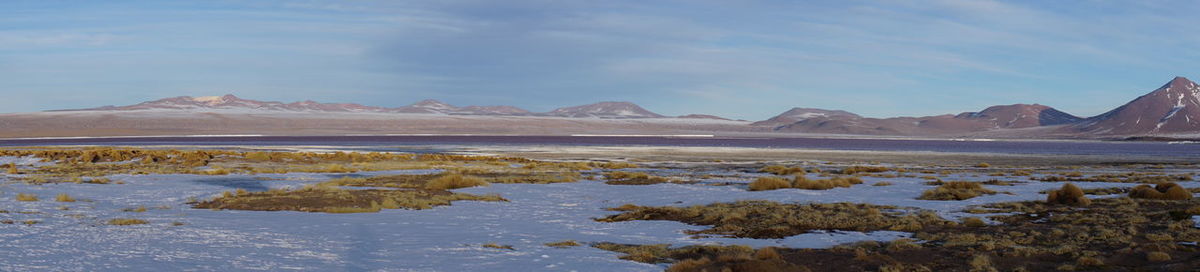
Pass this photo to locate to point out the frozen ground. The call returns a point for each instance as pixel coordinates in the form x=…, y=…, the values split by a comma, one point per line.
x=445, y=238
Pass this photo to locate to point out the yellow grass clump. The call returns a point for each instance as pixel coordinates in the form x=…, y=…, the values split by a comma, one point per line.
x=864, y=169
x=633, y=178
x=454, y=181
x=12, y=169
x=769, y=183
x=782, y=170
x=800, y=182
x=27, y=197
x=1069, y=194
x=1157, y=256
x=64, y=198
x=498, y=246
x=1164, y=191
x=956, y=190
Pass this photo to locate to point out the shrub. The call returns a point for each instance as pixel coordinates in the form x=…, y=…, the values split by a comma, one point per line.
x=64, y=198
x=1164, y=191
x=782, y=170
x=1157, y=256
x=1069, y=194
x=27, y=197
x=769, y=183
x=454, y=181
x=563, y=244
x=126, y=221
x=956, y=190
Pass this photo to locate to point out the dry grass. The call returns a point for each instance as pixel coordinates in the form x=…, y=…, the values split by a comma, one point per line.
x=769, y=183
x=1164, y=191
x=331, y=199
x=800, y=182
x=633, y=178
x=782, y=170
x=498, y=246
x=956, y=190
x=766, y=219
x=454, y=181
x=864, y=169
x=1069, y=194
x=27, y=197
x=882, y=183
x=126, y=222
x=563, y=244
x=64, y=198
x=1158, y=256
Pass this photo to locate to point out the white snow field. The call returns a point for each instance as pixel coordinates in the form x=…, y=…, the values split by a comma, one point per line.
x=446, y=238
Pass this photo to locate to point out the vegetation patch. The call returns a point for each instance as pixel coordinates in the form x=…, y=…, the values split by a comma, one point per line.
x=802, y=182
x=126, y=221
x=26, y=197
x=865, y=169
x=782, y=170
x=1069, y=194
x=767, y=219
x=332, y=199
x=1164, y=191
x=633, y=178
x=956, y=190
x=564, y=244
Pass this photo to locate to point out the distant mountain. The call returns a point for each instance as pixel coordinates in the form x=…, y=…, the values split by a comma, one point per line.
x=992, y=118
x=1021, y=116
x=230, y=102
x=702, y=116
x=800, y=114
x=1173, y=108
x=605, y=110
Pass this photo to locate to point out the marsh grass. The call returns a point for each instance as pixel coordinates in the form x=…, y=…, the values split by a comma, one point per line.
x=766, y=219
x=126, y=222
x=454, y=181
x=332, y=199
x=956, y=190
x=782, y=170
x=769, y=183
x=563, y=244
x=633, y=178
x=802, y=182
x=64, y=198
x=26, y=197
x=498, y=246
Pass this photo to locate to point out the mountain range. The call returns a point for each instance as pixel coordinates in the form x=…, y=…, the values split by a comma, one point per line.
x=1172, y=110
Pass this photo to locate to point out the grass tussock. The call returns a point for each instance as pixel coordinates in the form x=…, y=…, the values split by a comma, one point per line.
x=767, y=219
x=563, y=244
x=769, y=183
x=1069, y=194
x=956, y=190
x=802, y=182
x=865, y=169
x=1163, y=191
x=27, y=197
x=616, y=165
x=882, y=183
x=633, y=178
x=126, y=222
x=64, y=198
x=782, y=170
x=454, y=181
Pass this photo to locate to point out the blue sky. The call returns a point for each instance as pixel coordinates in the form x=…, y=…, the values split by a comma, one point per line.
x=739, y=59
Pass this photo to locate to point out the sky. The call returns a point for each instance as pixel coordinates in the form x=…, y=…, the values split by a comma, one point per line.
x=739, y=59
